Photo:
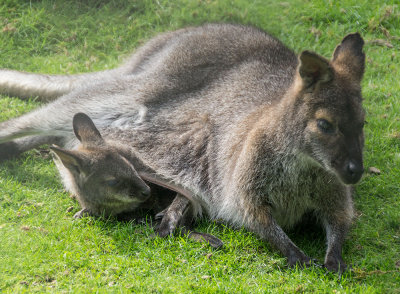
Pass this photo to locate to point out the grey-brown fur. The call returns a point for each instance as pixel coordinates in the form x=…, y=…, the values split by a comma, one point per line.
x=258, y=135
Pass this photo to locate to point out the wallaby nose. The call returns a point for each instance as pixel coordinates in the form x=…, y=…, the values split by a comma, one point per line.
x=355, y=171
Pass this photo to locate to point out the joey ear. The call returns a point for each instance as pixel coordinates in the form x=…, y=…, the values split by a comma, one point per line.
x=70, y=159
x=349, y=57
x=85, y=130
x=314, y=69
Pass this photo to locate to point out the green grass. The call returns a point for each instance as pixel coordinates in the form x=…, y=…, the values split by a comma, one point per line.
x=42, y=248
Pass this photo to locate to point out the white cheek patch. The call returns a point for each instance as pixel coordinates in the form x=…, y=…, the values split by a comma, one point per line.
x=126, y=199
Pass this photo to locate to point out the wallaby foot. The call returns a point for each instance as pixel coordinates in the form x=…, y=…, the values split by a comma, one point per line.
x=213, y=241
x=159, y=216
x=83, y=213
x=298, y=258
x=177, y=214
x=204, y=237
x=305, y=263
x=335, y=264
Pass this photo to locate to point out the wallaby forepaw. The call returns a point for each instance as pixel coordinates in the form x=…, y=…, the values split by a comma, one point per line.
x=301, y=262
x=168, y=223
x=316, y=263
x=164, y=230
x=335, y=265
x=204, y=237
x=160, y=215
x=82, y=213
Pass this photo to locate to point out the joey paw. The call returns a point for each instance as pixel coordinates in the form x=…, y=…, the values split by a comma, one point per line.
x=303, y=262
x=168, y=224
x=164, y=230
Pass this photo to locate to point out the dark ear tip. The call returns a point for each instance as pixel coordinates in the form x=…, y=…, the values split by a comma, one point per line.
x=354, y=37
x=306, y=54
x=308, y=57
x=84, y=127
x=80, y=116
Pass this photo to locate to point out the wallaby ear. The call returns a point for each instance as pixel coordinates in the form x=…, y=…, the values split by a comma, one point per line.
x=349, y=57
x=85, y=130
x=69, y=159
x=314, y=69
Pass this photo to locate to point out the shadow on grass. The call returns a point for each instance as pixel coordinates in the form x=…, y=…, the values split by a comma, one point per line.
x=28, y=170
x=308, y=235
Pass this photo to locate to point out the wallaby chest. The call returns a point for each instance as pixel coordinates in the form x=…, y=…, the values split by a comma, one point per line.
x=290, y=188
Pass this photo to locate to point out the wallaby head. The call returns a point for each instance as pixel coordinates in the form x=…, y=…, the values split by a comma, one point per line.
x=102, y=180
x=328, y=107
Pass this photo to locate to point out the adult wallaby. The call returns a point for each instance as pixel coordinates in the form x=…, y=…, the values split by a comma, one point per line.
x=256, y=134
x=102, y=176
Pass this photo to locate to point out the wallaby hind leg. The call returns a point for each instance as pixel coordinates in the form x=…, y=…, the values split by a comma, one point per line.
x=178, y=213
x=179, y=216
x=12, y=149
x=204, y=237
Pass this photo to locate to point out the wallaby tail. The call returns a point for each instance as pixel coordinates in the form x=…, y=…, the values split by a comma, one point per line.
x=46, y=87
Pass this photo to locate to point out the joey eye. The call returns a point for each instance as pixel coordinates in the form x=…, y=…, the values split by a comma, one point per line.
x=112, y=182
x=325, y=126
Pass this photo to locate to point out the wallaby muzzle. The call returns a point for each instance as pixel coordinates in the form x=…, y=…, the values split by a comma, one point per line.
x=351, y=171
x=141, y=194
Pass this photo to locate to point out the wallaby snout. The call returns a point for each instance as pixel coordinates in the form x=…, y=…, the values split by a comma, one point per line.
x=348, y=168
x=355, y=170
x=352, y=172
x=140, y=193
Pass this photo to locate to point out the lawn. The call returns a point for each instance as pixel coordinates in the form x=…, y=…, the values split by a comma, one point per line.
x=42, y=248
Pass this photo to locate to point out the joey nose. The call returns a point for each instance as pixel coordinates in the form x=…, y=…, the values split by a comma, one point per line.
x=355, y=171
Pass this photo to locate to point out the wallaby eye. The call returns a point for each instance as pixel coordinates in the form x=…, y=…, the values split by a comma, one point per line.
x=325, y=126
x=112, y=182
